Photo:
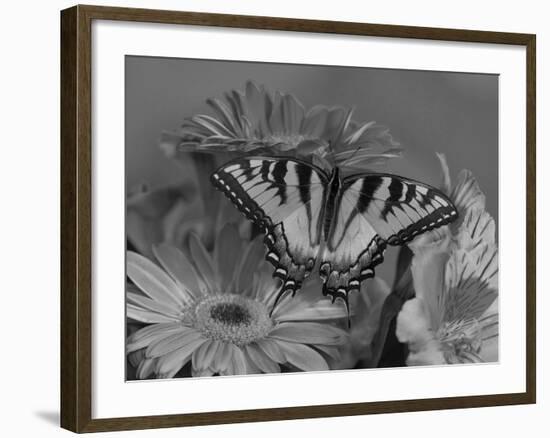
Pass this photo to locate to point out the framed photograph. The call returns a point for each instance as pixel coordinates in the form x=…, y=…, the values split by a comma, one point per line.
x=268, y=218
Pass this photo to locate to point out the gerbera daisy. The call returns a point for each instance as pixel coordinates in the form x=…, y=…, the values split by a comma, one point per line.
x=454, y=316
x=213, y=310
x=257, y=121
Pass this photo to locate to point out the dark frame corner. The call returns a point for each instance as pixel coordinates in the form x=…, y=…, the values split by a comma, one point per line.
x=76, y=172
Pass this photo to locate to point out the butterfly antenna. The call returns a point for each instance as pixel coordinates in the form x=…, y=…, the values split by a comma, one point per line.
x=330, y=154
x=353, y=155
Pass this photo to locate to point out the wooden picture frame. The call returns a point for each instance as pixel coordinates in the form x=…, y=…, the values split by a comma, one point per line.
x=76, y=217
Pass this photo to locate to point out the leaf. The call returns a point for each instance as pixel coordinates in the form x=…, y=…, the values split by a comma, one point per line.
x=402, y=272
x=384, y=341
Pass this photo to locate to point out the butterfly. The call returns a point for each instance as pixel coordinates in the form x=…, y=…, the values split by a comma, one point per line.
x=344, y=224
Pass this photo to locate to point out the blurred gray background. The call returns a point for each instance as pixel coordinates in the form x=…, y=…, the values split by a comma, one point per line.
x=426, y=111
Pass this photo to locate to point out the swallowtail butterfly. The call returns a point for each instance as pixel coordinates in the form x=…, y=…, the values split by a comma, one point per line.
x=344, y=224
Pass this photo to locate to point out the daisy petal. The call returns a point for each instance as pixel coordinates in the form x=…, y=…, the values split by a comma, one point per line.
x=233, y=100
x=145, y=368
x=303, y=357
x=229, y=371
x=292, y=114
x=213, y=125
x=336, y=120
x=332, y=352
x=271, y=348
x=321, y=310
x=137, y=313
x=224, y=113
x=135, y=357
x=203, y=262
x=314, y=121
x=167, y=366
x=180, y=269
x=251, y=367
x=145, y=335
x=151, y=279
x=251, y=259
x=173, y=342
x=149, y=304
x=198, y=355
x=227, y=254
x=356, y=135
x=265, y=287
x=223, y=358
x=261, y=359
x=309, y=333
x=276, y=119
x=202, y=357
x=256, y=106
x=206, y=372
x=240, y=362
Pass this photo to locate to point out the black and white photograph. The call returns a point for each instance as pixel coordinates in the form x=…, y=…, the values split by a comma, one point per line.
x=275, y=219
x=285, y=218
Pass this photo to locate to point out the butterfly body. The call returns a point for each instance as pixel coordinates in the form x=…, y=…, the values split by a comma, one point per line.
x=310, y=217
x=334, y=188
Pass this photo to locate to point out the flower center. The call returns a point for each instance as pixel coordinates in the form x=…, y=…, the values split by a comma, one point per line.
x=231, y=318
x=461, y=341
x=230, y=313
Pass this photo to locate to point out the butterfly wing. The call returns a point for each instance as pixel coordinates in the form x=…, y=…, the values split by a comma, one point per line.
x=371, y=212
x=285, y=198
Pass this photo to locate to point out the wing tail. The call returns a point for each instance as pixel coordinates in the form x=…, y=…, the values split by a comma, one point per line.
x=340, y=279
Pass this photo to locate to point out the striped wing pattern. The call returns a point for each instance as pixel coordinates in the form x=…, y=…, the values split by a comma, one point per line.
x=373, y=211
x=285, y=198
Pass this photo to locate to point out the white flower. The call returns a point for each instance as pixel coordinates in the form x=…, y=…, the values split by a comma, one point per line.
x=454, y=316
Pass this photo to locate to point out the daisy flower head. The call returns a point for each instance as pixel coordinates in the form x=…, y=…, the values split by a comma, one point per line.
x=211, y=310
x=257, y=121
x=454, y=316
